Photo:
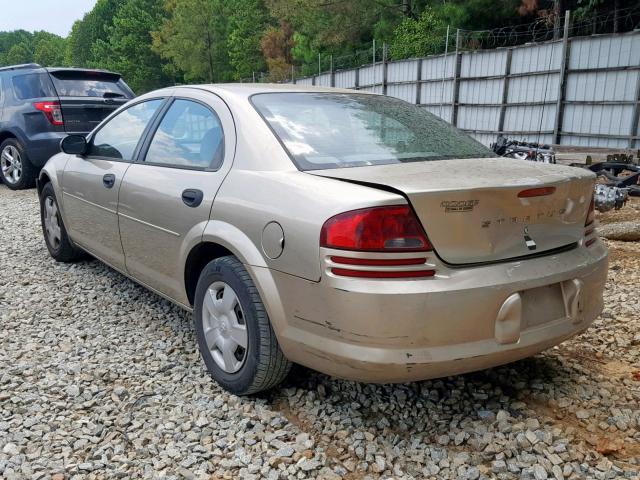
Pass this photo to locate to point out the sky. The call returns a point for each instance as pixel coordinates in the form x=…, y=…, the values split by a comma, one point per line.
x=55, y=16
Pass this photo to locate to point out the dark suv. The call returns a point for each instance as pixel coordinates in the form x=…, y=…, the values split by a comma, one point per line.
x=39, y=106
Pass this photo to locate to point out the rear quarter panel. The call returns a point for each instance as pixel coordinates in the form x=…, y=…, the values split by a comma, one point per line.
x=299, y=202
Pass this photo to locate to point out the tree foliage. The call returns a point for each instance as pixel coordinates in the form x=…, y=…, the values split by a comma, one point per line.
x=161, y=42
x=128, y=46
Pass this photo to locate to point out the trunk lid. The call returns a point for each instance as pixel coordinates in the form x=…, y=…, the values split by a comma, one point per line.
x=470, y=208
x=88, y=96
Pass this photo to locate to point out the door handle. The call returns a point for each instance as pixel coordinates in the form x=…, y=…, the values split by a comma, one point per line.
x=192, y=197
x=109, y=180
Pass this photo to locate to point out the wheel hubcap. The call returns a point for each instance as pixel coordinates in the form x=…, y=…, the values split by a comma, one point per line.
x=11, y=164
x=52, y=223
x=224, y=327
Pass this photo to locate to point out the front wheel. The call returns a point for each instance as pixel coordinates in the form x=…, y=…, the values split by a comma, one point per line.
x=55, y=233
x=235, y=337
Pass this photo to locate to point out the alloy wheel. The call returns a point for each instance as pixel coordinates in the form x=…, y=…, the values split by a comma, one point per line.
x=224, y=327
x=11, y=164
x=52, y=223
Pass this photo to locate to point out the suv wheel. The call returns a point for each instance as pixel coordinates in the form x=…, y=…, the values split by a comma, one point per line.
x=55, y=234
x=16, y=170
x=234, y=333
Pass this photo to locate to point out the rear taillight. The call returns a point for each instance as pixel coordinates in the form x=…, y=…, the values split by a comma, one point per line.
x=591, y=214
x=378, y=229
x=52, y=111
x=589, y=224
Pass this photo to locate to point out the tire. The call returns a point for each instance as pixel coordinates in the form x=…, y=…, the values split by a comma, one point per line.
x=258, y=366
x=16, y=171
x=55, y=234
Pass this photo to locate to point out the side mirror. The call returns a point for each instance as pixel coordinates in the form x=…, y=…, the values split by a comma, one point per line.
x=74, y=145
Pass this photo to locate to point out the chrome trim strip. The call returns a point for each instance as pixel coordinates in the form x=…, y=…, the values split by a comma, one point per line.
x=89, y=203
x=170, y=232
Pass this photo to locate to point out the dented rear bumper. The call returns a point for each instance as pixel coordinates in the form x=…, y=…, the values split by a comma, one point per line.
x=461, y=320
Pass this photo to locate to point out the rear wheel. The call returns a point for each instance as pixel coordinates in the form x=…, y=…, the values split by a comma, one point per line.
x=235, y=337
x=16, y=170
x=55, y=234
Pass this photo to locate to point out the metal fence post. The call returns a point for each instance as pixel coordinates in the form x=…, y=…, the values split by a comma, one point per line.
x=557, y=125
x=456, y=81
x=384, y=68
x=333, y=73
x=635, y=120
x=505, y=91
x=419, y=83
x=356, y=80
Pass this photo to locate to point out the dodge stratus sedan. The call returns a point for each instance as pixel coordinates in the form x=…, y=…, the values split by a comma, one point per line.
x=350, y=232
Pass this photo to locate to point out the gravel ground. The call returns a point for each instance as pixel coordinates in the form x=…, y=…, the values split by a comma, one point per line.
x=101, y=379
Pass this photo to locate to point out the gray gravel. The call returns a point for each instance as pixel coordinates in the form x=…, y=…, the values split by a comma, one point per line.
x=101, y=379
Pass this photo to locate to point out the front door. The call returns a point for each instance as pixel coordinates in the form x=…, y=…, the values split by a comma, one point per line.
x=91, y=183
x=166, y=197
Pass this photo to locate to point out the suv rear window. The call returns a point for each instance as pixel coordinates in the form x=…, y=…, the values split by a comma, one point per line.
x=89, y=84
x=33, y=85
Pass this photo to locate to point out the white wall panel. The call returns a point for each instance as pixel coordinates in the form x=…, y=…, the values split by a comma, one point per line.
x=370, y=75
x=438, y=67
x=481, y=91
x=404, y=71
x=405, y=91
x=534, y=88
x=345, y=79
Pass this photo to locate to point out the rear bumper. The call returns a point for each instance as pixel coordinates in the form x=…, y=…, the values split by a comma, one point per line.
x=399, y=330
x=43, y=146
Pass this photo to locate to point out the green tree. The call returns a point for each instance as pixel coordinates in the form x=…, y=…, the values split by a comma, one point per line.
x=19, y=53
x=49, y=49
x=416, y=38
x=128, y=49
x=85, y=33
x=247, y=21
x=193, y=38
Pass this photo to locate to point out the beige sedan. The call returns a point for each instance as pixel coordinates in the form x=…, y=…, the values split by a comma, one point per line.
x=349, y=232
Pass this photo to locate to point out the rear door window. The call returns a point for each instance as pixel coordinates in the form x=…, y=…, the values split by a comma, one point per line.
x=90, y=84
x=190, y=135
x=33, y=85
x=119, y=137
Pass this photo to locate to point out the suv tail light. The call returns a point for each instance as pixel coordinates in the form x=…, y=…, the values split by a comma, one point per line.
x=378, y=229
x=390, y=229
x=589, y=226
x=52, y=111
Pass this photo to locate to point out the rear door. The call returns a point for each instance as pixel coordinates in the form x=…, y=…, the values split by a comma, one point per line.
x=87, y=96
x=166, y=196
x=91, y=183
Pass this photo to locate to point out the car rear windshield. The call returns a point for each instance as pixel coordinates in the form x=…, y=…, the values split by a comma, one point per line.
x=33, y=85
x=337, y=130
x=89, y=84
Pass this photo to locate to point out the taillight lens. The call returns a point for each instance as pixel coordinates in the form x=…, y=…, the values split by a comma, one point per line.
x=591, y=215
x=378, y=229
x=52, y=111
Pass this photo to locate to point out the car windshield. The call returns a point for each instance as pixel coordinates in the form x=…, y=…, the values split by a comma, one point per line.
x=337, y=130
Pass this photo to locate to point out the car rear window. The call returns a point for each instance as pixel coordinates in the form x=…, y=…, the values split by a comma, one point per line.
x=89, y=84
x=33, y=85
x=337, y=130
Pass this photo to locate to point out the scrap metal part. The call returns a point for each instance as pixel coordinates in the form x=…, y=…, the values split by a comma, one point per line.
x=608, y=198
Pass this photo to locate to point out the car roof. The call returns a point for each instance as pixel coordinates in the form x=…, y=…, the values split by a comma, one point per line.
x=245, y=90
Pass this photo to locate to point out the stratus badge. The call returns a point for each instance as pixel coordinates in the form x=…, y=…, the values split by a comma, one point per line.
x=531, y=245
x=459, y=205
